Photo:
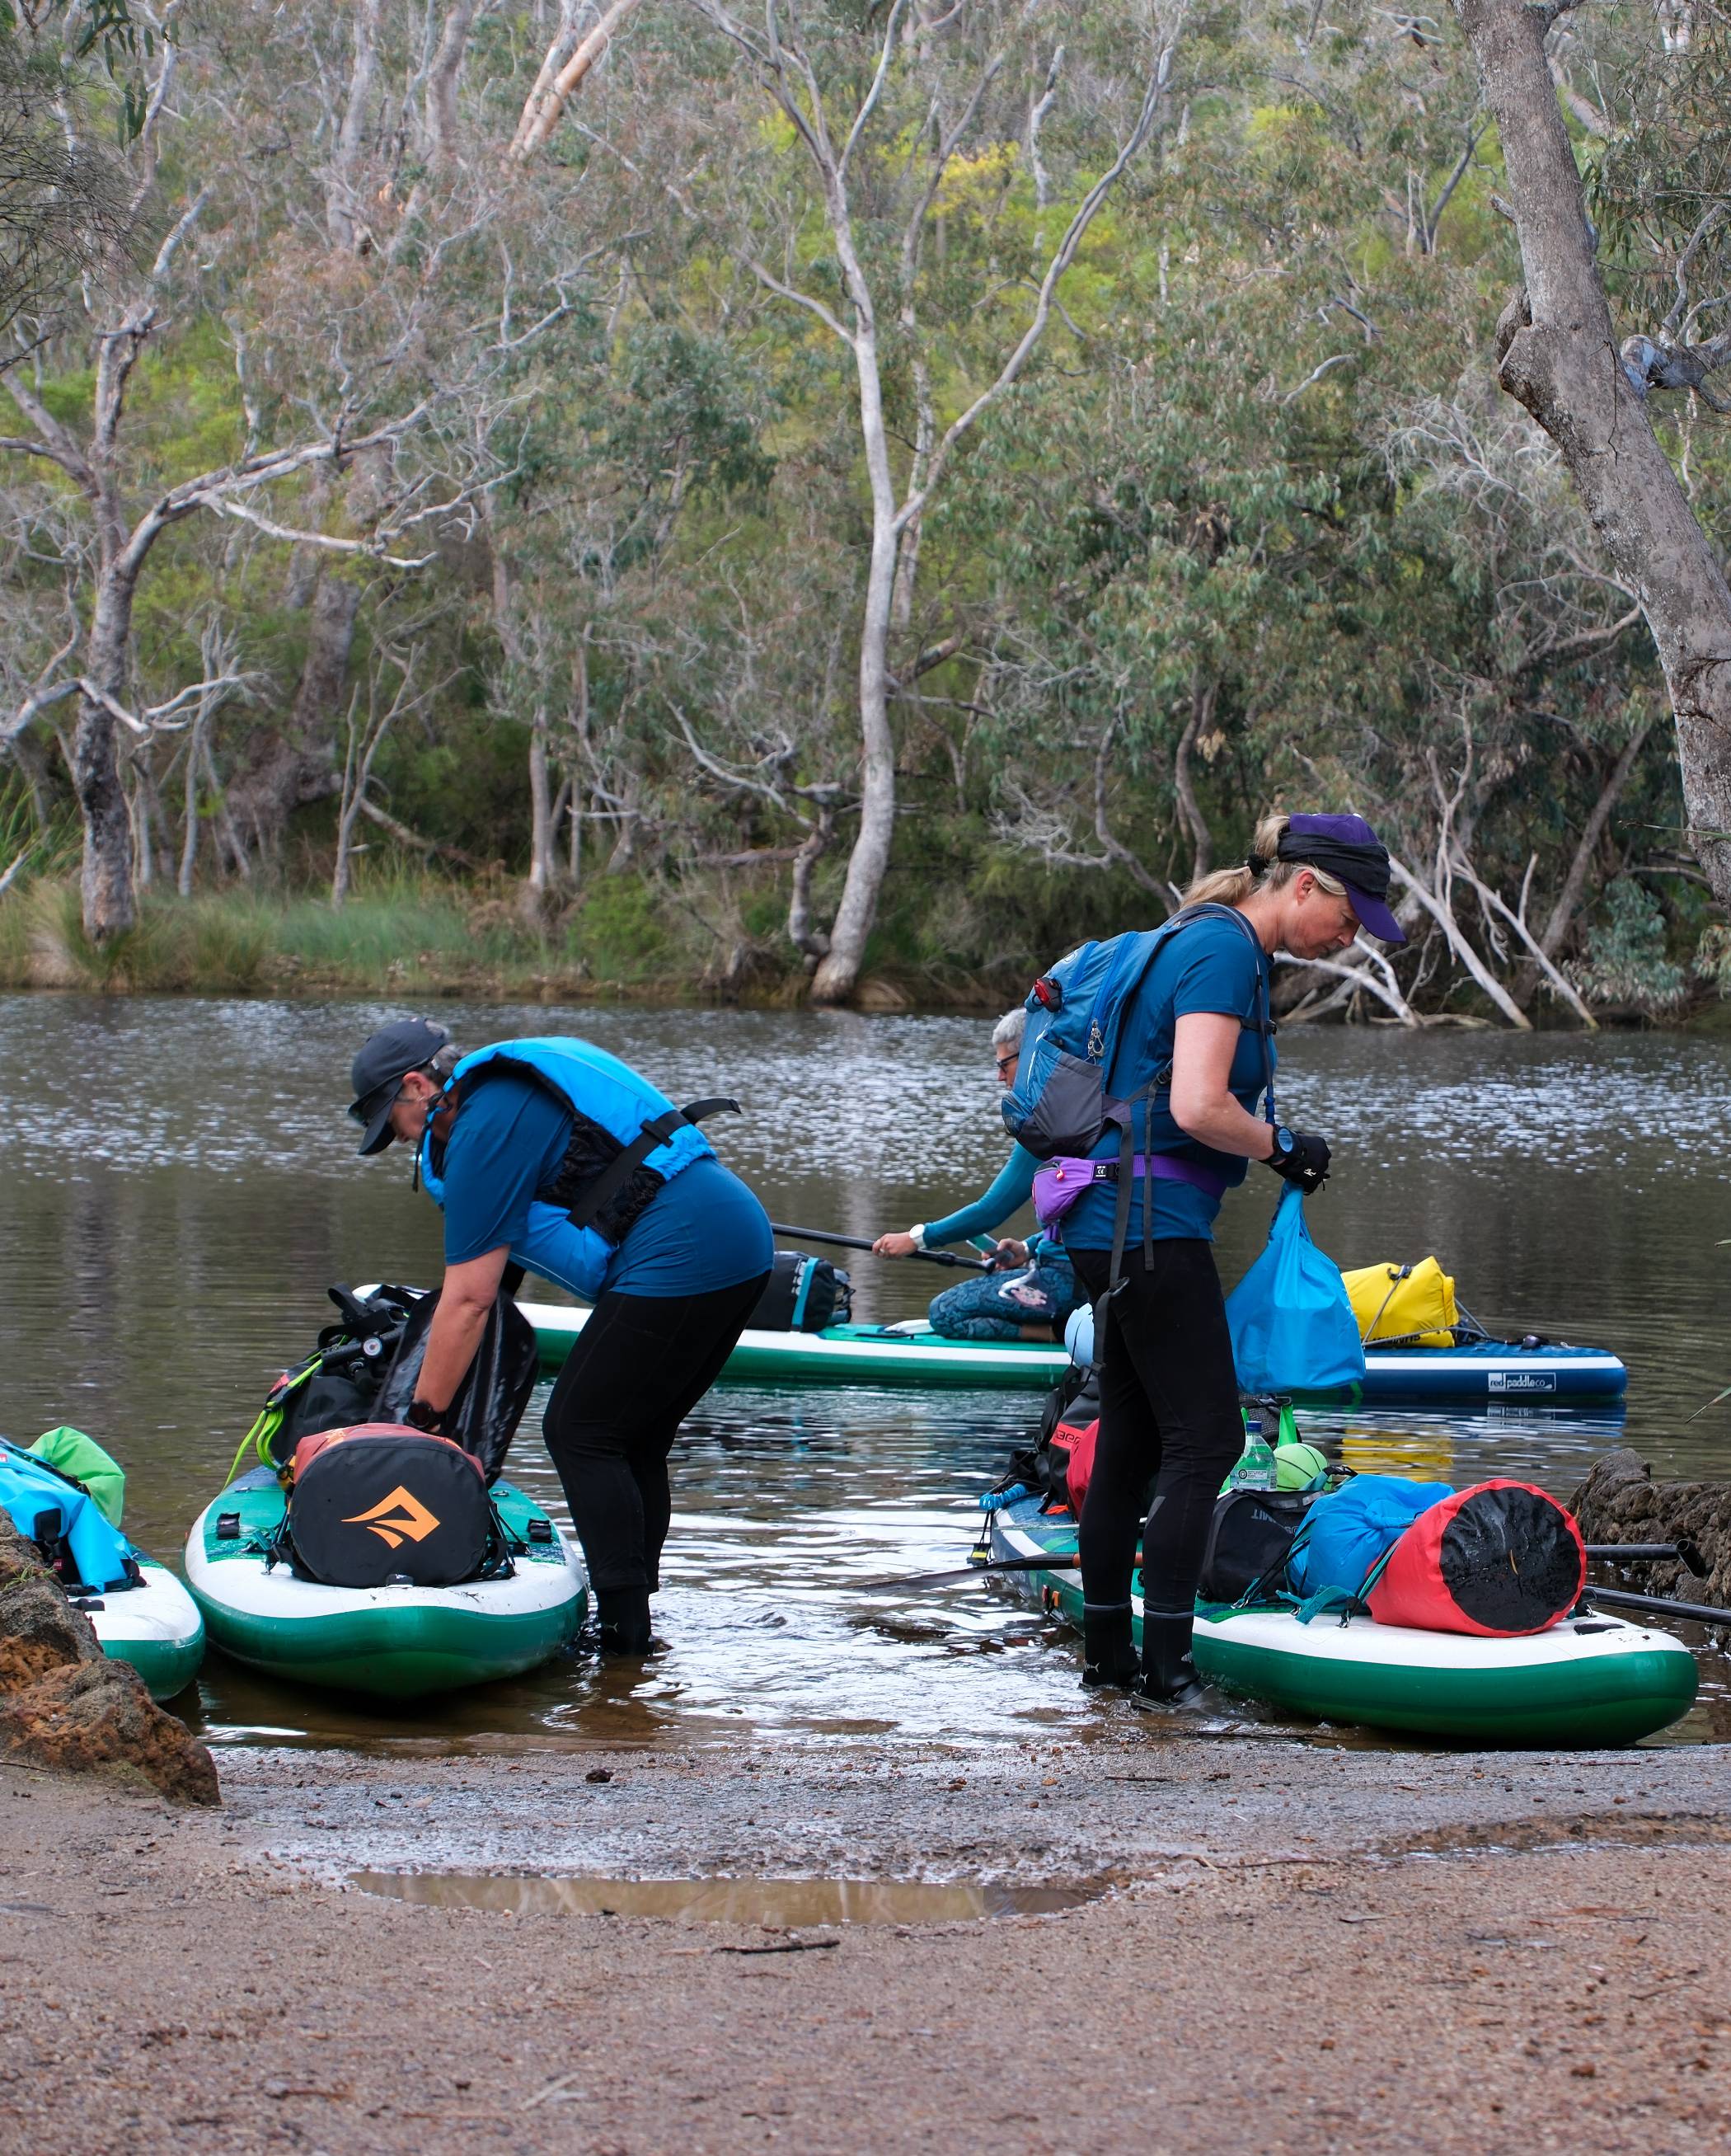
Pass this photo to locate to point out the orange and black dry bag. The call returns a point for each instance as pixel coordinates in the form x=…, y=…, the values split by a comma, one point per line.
x=380, y=1504
x=1500, y=1559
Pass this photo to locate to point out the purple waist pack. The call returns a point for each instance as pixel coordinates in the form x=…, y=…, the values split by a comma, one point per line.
x=1058, y=1184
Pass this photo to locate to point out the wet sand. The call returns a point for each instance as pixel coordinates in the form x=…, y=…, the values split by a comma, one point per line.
x=1291, y=1948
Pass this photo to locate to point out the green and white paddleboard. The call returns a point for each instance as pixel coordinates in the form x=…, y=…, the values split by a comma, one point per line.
x=392, y=1642
x=156, y=1626
x=1591, y=1682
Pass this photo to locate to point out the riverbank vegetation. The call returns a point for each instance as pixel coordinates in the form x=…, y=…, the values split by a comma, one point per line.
x=539, y=498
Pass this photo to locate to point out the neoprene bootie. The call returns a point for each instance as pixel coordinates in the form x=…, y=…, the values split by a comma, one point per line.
x=1166, y=1665
x=1190, y=1694
x=621, y=1616
x=1109, y=1650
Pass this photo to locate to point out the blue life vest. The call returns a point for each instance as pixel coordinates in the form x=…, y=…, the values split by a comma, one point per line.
x=599, y=1091
x=46, y=1507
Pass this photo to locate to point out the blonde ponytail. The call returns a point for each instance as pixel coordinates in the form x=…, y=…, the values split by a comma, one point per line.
x=1262, y=871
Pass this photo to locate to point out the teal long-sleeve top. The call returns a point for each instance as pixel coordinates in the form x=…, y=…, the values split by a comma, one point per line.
x=1011, y=1188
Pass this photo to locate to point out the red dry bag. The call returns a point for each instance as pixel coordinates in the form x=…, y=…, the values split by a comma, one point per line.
x=1499, y=1559
x=1072, y=1444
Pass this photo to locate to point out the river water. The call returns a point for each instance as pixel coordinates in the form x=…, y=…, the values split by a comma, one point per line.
x=181, y=1187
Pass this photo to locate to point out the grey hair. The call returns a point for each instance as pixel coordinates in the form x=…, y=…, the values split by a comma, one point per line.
x=445, y=1062
x=1007, y=1032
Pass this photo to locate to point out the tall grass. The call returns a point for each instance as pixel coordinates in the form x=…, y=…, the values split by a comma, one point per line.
x=396, y=932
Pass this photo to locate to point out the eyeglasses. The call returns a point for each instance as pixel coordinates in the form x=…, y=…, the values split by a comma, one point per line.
x=382, y=1096
x=1006, y=1062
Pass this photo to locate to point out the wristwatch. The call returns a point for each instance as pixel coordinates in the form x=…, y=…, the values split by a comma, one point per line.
x=917, y=1232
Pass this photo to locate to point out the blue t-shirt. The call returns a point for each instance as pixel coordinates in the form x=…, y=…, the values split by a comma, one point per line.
x=1209, y=966
x=703, y=1230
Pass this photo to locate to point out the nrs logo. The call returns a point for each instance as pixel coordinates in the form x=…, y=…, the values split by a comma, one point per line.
x=413, y=1523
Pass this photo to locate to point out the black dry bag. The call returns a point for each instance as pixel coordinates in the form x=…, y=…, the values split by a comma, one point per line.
x=489, y=1403
x=802, y=1294
x=382, y=1504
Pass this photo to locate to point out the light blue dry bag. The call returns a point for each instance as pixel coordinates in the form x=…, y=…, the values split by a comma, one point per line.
x=1293, y=1326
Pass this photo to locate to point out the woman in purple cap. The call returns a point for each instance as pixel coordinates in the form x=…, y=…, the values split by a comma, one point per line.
x=1169, y=1425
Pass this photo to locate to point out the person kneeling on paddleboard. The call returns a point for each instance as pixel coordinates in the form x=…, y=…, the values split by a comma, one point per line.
x=1034, y=1303
x=1193, y=1049
x=553, y=1157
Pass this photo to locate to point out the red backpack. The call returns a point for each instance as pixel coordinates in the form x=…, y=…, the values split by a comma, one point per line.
x=1500, y=1559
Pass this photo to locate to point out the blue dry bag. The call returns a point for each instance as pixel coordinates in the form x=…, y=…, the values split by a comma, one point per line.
x=65, y=1521
x=1348, y=1533
x=1292, y=1322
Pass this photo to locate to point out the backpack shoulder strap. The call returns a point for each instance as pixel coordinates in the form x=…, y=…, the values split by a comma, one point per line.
x=1132, y=969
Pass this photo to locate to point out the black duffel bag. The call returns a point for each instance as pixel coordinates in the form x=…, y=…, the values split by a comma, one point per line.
x=382, y=1504
x=1248, y=1539
x=802, y=1294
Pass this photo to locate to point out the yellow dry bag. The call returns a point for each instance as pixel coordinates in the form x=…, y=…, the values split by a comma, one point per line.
x=1414, y=1305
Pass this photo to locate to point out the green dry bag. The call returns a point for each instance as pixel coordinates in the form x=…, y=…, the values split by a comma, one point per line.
x=85, y=1461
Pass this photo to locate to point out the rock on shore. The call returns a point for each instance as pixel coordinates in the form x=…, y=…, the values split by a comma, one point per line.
x=1620, y=1503
x=64, y=1706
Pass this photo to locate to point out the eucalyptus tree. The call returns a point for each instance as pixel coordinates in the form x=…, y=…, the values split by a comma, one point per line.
x=329, y=395
x=880, y=213
x=1558, y=352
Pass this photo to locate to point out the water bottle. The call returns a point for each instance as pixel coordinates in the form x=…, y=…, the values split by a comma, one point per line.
x=1256, y=1469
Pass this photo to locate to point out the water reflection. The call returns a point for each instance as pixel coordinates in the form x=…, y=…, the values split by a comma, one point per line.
x=182, y=1187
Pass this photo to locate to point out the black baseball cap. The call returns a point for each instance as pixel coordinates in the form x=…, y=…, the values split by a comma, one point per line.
x=385, y=1060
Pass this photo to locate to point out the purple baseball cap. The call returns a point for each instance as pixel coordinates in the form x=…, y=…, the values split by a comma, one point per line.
x=1346, y=847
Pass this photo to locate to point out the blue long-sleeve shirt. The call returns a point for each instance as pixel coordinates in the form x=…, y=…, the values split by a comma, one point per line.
x=1011, y=1189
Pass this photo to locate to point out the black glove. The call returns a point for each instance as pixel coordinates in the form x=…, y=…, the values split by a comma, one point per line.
x=422, y=1415
x=1302, y=1157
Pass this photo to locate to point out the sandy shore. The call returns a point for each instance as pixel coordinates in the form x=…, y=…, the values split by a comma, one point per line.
x=1290, y=1948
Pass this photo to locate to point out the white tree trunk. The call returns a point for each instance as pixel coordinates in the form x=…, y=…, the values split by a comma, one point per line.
x=542, y=869
x=838, y=969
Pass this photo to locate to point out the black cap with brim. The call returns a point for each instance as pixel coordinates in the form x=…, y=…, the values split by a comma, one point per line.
x=385, y=1060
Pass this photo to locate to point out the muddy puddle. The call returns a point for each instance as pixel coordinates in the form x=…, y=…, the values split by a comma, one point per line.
x=775, y=1904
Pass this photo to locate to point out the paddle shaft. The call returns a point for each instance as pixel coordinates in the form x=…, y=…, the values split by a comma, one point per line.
x=863, y=1243
x=972, y=1572
x=1686, y=1554
x=1660, y=1605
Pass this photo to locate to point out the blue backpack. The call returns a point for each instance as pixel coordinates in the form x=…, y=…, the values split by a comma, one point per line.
x=1062, y=1103
x=66, y=1524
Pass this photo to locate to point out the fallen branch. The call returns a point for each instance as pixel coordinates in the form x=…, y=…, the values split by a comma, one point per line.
x=387, y=823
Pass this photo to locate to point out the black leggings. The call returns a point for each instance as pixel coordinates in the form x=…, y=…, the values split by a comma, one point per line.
x=638, y=1366
x=1169, y=1418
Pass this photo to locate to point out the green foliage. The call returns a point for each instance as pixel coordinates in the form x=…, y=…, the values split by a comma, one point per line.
x=1625, y=961
x=1255, y=515
x=1712, y=959
x=617, y=933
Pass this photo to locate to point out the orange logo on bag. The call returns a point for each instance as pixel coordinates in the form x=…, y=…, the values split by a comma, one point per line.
x=414, y=1523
